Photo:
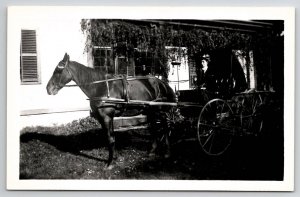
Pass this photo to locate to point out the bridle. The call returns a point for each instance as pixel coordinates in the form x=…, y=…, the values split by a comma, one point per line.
x=65, y=67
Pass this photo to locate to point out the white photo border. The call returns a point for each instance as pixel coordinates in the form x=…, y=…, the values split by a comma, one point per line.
x=16, y=13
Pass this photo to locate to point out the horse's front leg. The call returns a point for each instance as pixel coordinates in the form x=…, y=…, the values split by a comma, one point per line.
x=106, y=116
x=108, y=122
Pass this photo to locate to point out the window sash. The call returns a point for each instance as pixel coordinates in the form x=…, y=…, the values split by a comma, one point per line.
x=102, y=56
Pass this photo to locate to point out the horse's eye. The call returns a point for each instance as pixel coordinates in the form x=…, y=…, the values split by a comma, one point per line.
x=58, y=70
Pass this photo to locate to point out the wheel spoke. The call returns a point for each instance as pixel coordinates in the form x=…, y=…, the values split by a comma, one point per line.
x=211, y=142
x=254, y=105
x=222, y=107
x=208, y=138
x=215, y=127
x=251, y=121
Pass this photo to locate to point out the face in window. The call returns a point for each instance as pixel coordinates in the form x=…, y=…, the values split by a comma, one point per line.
x=205, y=60
x=204, y=65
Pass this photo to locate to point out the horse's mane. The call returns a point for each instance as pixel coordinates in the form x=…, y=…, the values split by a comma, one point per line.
x=86, y=74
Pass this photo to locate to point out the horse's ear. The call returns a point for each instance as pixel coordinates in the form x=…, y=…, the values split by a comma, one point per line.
x=66, y=57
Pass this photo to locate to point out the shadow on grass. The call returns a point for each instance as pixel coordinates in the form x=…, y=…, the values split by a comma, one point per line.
x=246, y=159
x=88, y=140
x=70, y=143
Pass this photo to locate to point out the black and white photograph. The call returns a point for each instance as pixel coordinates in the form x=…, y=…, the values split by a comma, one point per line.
x=150, y=98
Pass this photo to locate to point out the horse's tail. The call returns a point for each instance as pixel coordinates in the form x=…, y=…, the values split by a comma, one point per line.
x=165, y=91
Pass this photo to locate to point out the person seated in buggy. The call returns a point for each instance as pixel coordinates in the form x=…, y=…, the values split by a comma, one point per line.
x=218, y=75
x=205, y=73
x=206, y=79
x=220, y=78
x=204, y=83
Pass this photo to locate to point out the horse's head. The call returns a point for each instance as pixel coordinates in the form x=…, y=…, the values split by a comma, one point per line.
x=61, y=76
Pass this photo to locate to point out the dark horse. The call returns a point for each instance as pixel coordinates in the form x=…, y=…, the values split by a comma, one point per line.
x=146, y=89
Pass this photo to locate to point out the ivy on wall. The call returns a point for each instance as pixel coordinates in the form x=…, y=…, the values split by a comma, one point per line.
x=125, y=36
x=154, y=37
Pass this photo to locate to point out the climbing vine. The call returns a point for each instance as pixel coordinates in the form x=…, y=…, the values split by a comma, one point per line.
x=154, y=37
x=126, y=36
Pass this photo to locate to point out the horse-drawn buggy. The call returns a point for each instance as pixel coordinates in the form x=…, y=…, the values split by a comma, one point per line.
x=213, y=116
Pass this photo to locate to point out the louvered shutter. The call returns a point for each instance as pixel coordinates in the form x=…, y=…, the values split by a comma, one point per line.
x=29, y=64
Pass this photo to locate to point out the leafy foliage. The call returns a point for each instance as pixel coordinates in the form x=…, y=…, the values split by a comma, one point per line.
x=71, y=128
x=126, y=36
x=153, y=37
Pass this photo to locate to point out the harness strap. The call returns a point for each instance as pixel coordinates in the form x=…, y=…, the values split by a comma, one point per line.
x=65, y=67
x=125, y=89
x=107, y=86
x=159, y=95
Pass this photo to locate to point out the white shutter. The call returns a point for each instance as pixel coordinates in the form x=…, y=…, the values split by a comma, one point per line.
x=29, y=62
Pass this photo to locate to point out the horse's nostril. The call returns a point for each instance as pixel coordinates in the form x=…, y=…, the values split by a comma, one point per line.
x=48, y=91
x=49, y=88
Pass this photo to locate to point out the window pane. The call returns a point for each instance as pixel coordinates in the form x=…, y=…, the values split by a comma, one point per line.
x=122, y=66
x=103, y=53
x=99, y=62
x=96, y=52
x=108, y=53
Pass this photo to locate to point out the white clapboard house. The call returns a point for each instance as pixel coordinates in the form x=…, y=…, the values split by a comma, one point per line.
x=43, y=43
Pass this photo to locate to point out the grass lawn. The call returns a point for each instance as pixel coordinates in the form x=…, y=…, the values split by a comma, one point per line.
x=77, y=151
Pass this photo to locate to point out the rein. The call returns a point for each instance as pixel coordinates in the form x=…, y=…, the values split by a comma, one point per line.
x=94, y=82
x=106, y=80
x=113, y=79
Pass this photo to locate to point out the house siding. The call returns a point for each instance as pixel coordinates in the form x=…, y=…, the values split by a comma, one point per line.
x=55, y=38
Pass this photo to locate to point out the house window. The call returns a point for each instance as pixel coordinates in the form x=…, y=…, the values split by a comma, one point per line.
x=103, y=58
x=193, y=74
x=125, y=66
x=144, y=63
x=29, y=69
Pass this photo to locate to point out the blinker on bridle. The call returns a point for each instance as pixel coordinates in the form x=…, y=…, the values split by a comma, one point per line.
x=65, y=64
x=62, y=67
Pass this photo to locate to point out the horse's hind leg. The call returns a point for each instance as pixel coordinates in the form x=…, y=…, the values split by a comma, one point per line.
x=153, y=131
x=160, y=132
x=154, y=145
x=111, y=142
x=168, y=147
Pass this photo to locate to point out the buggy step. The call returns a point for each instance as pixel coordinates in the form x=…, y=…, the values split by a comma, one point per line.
x=122, y=129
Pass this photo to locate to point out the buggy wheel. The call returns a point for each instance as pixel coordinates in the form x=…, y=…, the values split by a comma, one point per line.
x=251, y=114
x=215, y=127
